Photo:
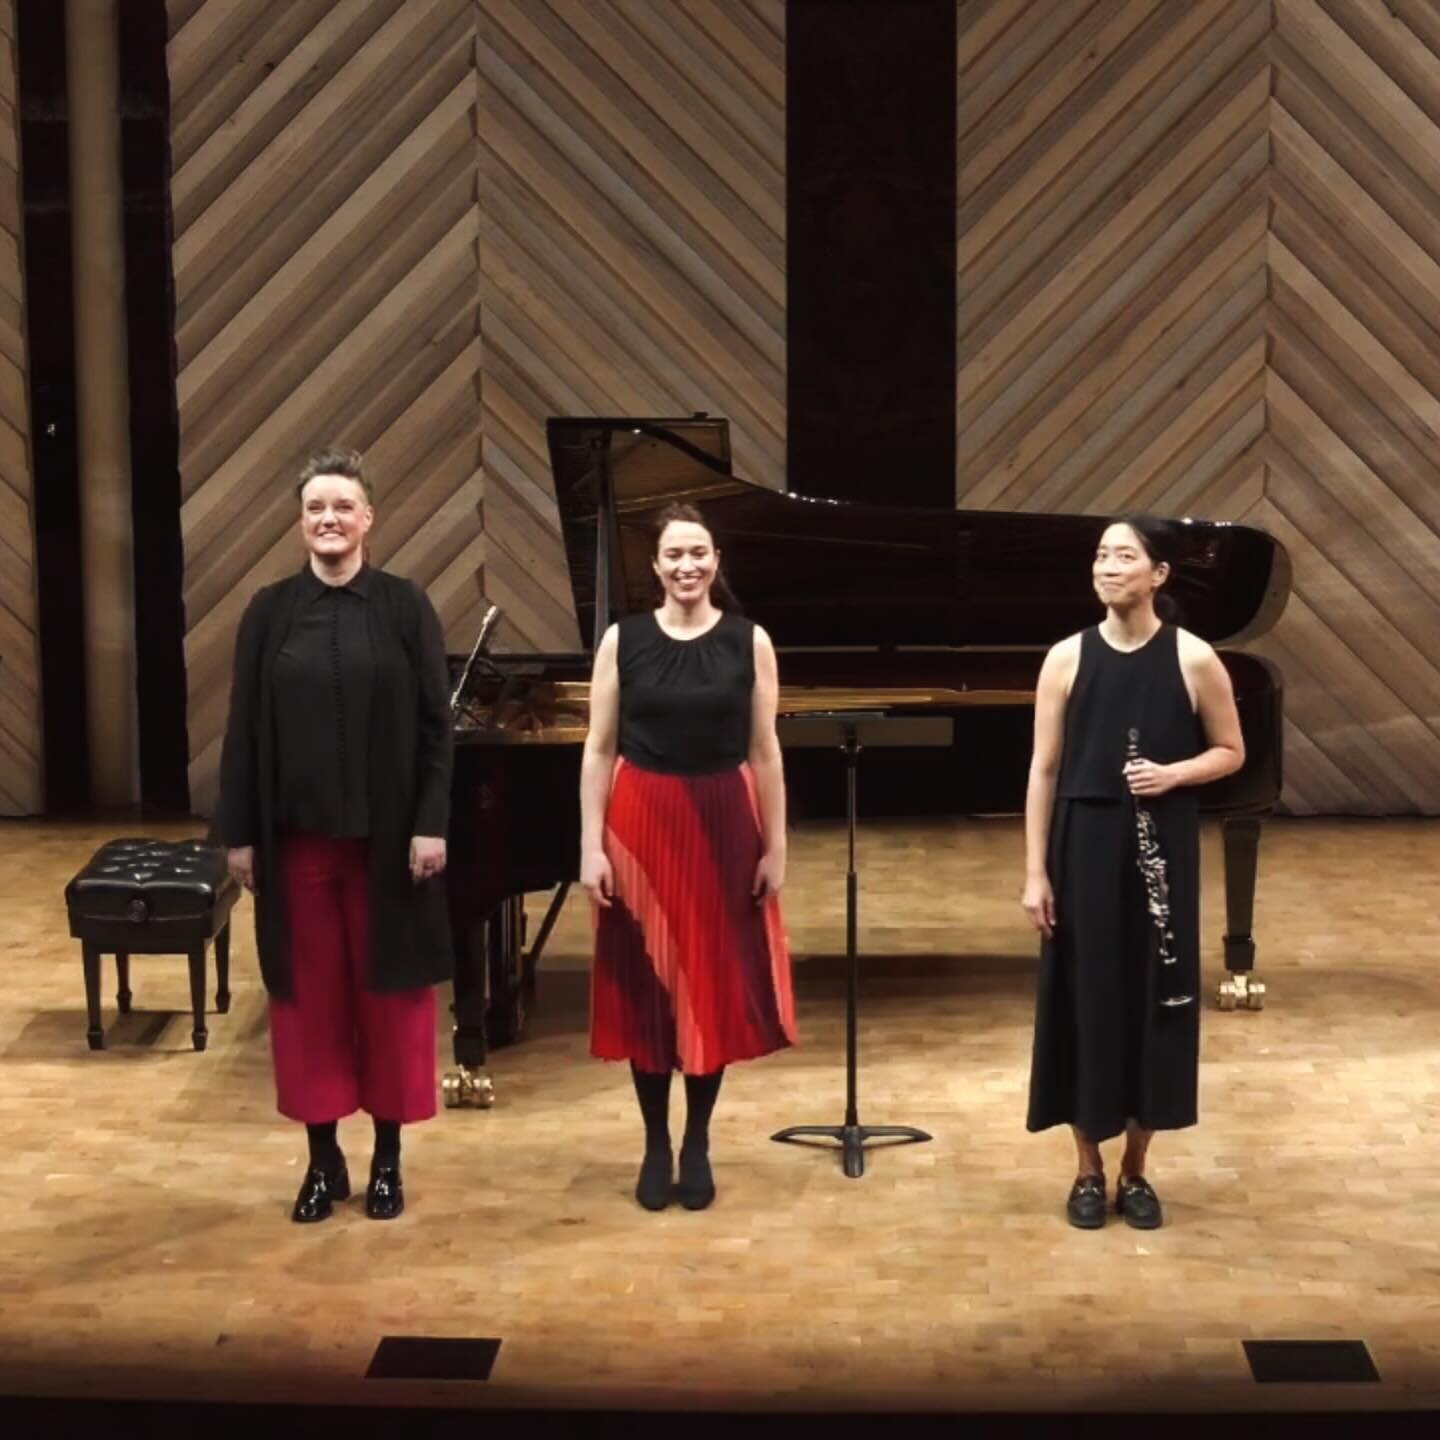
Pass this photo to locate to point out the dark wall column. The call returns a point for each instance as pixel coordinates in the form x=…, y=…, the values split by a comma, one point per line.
x=49, y=301
x=871, y=249
x=154, y=408
x=149, y=346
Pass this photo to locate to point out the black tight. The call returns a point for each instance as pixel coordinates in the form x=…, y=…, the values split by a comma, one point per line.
x=653, y=1092
x=325, y=1144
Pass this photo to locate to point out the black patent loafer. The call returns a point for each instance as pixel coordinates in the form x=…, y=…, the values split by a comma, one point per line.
x=1138, y=1204
x=318, y=1193
x=657, y=1174
x=1085, y=1208
x=384, y=1196
x=696, y=1186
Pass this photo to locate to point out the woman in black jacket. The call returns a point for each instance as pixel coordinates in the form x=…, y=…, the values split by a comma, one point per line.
x=334, y=805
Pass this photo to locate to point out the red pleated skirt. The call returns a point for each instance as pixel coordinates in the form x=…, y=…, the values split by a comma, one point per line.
x=690, y=972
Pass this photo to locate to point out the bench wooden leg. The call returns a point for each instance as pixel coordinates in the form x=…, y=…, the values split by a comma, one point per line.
x=95, y=1034
x=199, y=1035
x=122, y=970
x=222, y=969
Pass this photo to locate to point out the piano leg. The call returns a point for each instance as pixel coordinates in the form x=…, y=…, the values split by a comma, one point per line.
x=531, y=963
x=468, y=1085
x=1240, y=990
x=508, y=1011
x=494, y=993
x=513, y=967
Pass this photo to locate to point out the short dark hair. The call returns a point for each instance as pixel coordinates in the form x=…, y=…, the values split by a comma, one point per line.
x=335, y=460
x=1160, y=539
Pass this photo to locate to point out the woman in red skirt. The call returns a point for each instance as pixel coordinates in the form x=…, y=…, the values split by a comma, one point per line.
x=683, y=851
x=334, y=804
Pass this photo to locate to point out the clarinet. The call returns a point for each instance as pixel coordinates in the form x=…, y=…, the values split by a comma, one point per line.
x=1151, y=860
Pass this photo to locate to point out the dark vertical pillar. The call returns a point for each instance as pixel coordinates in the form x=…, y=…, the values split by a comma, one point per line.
x=871, y=249
x=55, y=461
x=154, y=408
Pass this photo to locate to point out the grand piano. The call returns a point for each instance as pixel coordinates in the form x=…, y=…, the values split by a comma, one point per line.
x=929, y=617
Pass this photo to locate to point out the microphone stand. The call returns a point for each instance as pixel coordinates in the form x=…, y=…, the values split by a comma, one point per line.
x=492, y=615
x=851, y=1134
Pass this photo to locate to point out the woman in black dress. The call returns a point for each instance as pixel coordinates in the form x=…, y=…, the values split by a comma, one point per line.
x=334, y=806
x=1133, y=712
x=683, y=852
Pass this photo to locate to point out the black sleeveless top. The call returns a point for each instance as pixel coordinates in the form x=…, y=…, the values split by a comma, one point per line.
x=685, y=704
x=1115, y=690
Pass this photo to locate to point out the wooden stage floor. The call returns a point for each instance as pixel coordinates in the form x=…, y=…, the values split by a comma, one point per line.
x=146, y=1250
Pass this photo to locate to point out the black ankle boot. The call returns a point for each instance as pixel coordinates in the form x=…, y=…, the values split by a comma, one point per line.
x=657, y=1175
x=697, y=1185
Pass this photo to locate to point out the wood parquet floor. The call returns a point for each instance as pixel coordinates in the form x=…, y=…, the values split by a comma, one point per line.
x=145, y=1246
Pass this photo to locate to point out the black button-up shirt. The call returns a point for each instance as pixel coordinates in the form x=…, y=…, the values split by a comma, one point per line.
x=323, y=680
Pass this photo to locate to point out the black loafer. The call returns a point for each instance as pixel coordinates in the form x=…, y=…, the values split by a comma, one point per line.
x=318, y=1193
x=384, y=1196
x=1138, y=1203
x=657, y=1174
x=1085, y=1208
x=696, y=1187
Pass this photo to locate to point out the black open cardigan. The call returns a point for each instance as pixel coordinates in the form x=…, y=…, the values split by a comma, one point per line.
x=411, y=754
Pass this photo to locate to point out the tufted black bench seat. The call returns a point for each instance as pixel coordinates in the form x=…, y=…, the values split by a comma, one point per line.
x=153, y=897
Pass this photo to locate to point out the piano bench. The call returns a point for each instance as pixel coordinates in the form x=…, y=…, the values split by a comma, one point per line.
x=153, y=897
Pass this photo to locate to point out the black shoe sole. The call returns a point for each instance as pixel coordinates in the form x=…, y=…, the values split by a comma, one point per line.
x=1080, y=1223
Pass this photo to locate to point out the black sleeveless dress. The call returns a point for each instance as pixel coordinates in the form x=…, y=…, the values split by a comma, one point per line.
x=690, y=973
x=1106, y=1050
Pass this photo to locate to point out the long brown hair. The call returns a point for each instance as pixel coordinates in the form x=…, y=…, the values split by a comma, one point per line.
x=721, y=595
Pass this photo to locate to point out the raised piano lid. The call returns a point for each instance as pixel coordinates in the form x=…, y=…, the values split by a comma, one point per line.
x=821, y=573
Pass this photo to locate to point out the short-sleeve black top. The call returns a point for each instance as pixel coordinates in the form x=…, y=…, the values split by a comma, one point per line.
x=685, y=704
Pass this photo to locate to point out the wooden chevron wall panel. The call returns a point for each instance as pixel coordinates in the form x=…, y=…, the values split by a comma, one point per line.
x=324, y=191
x=633, y=231
x=1199, y=273
x=1112, y=281
x=1354, y=397
x=21, y=748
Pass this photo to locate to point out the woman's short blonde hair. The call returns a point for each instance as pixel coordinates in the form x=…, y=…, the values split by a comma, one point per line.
x=335, y=460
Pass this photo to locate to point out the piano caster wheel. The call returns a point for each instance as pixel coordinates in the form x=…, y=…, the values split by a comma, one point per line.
x=1240, y=992
x=467, y=1090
